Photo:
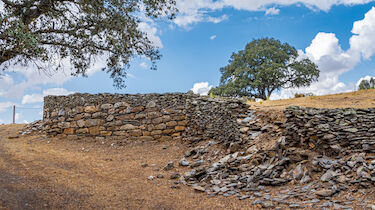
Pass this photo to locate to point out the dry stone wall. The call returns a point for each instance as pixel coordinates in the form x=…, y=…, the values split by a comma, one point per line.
x=331, y=129
x=211, y=118
x=143, y=117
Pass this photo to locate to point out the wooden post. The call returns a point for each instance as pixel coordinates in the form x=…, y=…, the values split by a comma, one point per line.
x=14, y=114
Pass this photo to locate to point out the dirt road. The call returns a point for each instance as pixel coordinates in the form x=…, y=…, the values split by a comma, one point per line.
x=44, y=173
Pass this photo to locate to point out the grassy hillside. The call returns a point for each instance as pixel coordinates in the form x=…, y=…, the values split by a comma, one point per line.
x=358, y=99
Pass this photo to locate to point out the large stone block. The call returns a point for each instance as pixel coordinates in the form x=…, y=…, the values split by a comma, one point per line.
x=106, y=106
x=120, y=133
x=78, y=117
x=135, y=133
x=82, y=131
x=161, y=126
x=180, y=128
x=90, y=109
x=166, y=138
x=69, y=131
x=95, y=130
x=146, y=138
x=121, y=104
x=81, y=123
x=93, y=122
x=171, y=123
x=137, y=109
x=105, y=133
x=156, y=132
x=126, y=117
x=128, y=127
x=154, y=115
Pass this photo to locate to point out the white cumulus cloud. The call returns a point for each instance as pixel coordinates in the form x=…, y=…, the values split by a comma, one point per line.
x=151, y=33
x=217, y=19
x=213, y=37
x=194, y=11
x=201, y=88
x=37, y=98
x=363, y=41
x=333, y=61
x=143, y=65
x=272, y=11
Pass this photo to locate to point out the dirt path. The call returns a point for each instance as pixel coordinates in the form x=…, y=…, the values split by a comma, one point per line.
x=40, y=173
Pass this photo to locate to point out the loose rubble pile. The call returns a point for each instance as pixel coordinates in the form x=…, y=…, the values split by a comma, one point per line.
x=248, y=168
x=35, y=127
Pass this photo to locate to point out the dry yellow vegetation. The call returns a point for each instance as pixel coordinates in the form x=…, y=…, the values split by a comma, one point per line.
x=358, y=99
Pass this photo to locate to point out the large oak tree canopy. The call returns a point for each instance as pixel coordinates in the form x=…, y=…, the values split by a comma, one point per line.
x=266, y=65
x=47, y=31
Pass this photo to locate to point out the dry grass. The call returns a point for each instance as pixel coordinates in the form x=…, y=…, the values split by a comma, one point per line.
x=56, y=173
x=358, y=99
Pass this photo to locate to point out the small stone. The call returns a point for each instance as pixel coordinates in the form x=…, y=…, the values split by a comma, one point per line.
x=244, y=129
x=294, y=206
x=144, y=165
x=352, y=130
x=234, y=147
x=251, y=150
x=256, y=194
x=174, y=176
x=325, y=192
x=351, y=163
x=184, y=162
x=151, y=178
x=164, y=146
x=305, y=179
x=341, y=179
x=160, y=176
x=327, y=176
x=244, y=197
x=176, y=187
x=298, y=172
x=199, y=189
x=267, y=204
x=169, y=166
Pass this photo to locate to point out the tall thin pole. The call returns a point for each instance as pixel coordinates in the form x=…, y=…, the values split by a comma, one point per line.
x=14, y=114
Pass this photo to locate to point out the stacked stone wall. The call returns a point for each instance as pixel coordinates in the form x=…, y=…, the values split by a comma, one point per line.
x=331, y=129
x=143, y=117
x=211, y=118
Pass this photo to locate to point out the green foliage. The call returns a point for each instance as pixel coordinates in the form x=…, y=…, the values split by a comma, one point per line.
x=299, y=95
x=264, y=66
x=367, y=84
x=48, y=31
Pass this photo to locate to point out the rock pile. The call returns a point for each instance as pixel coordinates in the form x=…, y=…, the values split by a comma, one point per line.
x=35, y=127
x=306, y=176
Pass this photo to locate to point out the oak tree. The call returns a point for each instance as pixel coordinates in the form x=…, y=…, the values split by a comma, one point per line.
x=264, y=66
x=48, y=31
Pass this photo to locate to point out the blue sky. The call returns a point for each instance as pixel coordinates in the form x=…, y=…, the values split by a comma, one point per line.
x=338, y=35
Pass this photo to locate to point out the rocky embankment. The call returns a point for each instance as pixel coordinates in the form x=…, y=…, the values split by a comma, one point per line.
x=255, y=167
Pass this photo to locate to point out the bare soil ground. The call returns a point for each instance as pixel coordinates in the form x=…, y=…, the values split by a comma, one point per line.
x=48, y=173
x=358, y=99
